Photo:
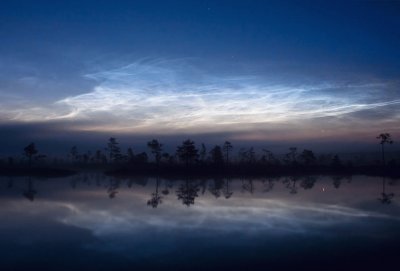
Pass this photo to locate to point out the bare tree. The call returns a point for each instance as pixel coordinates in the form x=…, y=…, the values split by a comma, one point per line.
x=216, y=155
x=385, y=138
x=156, y=149
x=30, y=151
x=227, y=148
x=203, y=152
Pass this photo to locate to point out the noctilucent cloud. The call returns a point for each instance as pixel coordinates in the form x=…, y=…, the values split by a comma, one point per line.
x=253, y=70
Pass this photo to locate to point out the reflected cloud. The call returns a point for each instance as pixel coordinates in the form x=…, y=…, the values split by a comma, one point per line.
x=84, y=213
x=255, y=215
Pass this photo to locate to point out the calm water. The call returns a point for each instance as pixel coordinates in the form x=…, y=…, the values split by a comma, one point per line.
x=94, y=222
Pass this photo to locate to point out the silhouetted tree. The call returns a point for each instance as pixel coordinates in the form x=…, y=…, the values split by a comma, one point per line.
x=156, y=149
x=216, y=155
x=268, y=157
x=251, y=155
x=203, y=152
x=247, y=156
x=187, y=192
x=325, y=159
x=113, y=149
x=385, y=138
x=73, y=153
x=131, y=155
x=291, y=156
x=30, y=151
x=99, y=157
x=187, y=152
x=155, y=199
x=86, y=157
x=336, y=162
x=141, y=158
x=308, y=157
x=227, y=148
x=166, y=157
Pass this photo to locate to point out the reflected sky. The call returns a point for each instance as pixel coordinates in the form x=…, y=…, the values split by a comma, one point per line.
x=94, y=216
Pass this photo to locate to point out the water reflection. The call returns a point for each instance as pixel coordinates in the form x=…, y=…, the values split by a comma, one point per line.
x=246, y=221
x=291, y=184
x=227, y=189
x=155, y=197
x=29, y=192
x=386, y=198
x=188, y=190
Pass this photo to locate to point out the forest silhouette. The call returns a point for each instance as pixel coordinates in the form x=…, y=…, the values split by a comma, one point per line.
x=188, y=159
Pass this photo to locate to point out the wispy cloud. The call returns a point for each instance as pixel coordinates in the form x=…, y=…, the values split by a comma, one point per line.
x=168, y=96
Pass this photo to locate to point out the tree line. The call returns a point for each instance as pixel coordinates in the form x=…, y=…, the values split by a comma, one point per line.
x=189, y=156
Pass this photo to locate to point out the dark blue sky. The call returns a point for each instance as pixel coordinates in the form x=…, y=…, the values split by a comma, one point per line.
x=264, y=71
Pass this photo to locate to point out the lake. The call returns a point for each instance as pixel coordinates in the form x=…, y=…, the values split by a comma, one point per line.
x=92, y=221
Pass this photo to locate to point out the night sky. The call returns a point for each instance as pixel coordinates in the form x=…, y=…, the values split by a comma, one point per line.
x=255, y=72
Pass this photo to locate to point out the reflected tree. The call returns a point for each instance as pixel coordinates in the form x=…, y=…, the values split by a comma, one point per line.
x=168, y=185
x=269, y=184
x=308, y=182
x=112, y=189
x=30, y=192
x=155, y=199
x=337, y=181
x=227, y=189
x=291, y=184
x=187, y=192
x=386, y=198
x=247, y=185
x=215, y=187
